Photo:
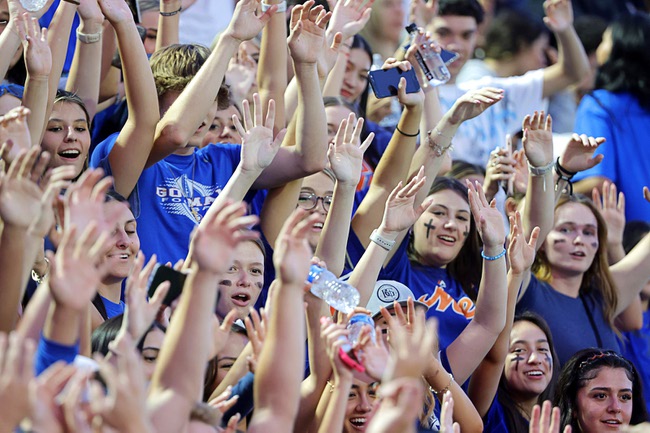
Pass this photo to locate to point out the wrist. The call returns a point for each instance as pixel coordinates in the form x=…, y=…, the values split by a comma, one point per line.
x=493, y=250
x=39, y=77
x=171, y=6
x=346, y=185
x=93, y=25
x=387, y=233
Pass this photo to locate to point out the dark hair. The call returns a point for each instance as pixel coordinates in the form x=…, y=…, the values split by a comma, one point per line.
x=513, y=418
x=466, y=266
x=590, y=29
x=633, y=233
x=465, y=8
x=583, y=367
x=626, y=70
x=510, y=32
x=360, y=43
x=107, y=332
x=17, y=74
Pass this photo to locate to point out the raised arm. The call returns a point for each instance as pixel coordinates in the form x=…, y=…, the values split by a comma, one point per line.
x=346, y=158
x=178, y=379
x=186, y=113
x=168, y=23
x=394, y=164
x=85, y=71
x=484, y=382
x=490, y=315
x=277, y=385
x=308, y=156
x=572, y=64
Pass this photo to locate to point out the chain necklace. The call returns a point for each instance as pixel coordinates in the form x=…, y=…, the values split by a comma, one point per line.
x=181, y=187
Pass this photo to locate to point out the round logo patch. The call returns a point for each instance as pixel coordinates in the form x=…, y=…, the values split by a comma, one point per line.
x=387, y=293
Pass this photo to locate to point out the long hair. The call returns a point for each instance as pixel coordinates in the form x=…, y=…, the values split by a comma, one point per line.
x=359, y=42
x=466, y=266
x=512, y=411
x=597, y=277
x=583, y=367
x=626, y=70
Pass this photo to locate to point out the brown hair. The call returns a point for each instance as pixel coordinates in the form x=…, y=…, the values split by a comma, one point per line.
x=597, y=277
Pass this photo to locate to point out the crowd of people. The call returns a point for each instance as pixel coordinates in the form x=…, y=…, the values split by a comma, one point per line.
x=167, y=210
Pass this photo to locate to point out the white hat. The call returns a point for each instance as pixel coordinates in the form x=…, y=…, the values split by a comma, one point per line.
x=387, y=292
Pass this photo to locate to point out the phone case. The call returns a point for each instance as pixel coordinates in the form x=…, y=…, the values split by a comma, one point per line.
x=176, y=279
x=384, y=82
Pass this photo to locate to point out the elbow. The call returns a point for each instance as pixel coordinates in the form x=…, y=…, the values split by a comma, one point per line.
x=473, y=425
x=172, y=135
x=313, y=165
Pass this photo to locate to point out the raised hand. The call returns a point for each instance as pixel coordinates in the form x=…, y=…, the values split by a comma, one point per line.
x=123, y=406
x=84, y=201
x=372, y=355
x=14, y=128
x=140, y=314
x=520, y=178
x=38, y=57
x=488, y=219
x=335, y=337
x=473, y=103
x=447, y=424
x=116, y=11
x=521, y=255
x=578, y=154
x=346, y=153
x=256, y=332
x=292, y=251
x=545, y=420
x=91, y=12
x=538, y=139
x=241, y=74
x=399, y=212
x=612, y=211
x=401, y=402
x=406, y=99
x=500, y=168
x=559, y=15
x=328, y=54
x=350, y=16
x=226, y=227
x=422, y=12
x=422, y=39
x=412, y=350
x=46, y=414
x=307, y=32
x=77, y=269
x=258, y=145
x=245, y=24
x=20, y=195
x=16, y=374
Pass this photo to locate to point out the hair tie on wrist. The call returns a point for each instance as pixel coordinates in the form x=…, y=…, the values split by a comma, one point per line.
x=405, y=134
x=171, y=14
x=565, y=175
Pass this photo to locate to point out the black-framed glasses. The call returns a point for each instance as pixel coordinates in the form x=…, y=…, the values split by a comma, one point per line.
x=309, y=201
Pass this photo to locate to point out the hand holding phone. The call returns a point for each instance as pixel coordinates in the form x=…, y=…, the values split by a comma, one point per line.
x=385, y=82
x=176, y=280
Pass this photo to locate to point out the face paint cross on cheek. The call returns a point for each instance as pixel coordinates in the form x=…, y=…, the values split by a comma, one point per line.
x=548, y=359
x=516, y=359
x=259, y=285
x=429, y=227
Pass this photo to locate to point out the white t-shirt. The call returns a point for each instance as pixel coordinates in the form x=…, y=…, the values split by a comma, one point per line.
x=202, y=21
x=477, y=137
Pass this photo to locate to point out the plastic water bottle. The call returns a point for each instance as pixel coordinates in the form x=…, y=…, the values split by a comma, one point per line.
x=430, y=62
x=336, y=293
x=356, y=323
x=33, y=5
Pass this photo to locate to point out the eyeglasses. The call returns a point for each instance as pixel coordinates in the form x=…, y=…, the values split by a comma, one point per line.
x=309, y=201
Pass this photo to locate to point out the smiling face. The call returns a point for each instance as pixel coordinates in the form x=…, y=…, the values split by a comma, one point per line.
x=529, y=364
x=317, y=190
x=126, y=243
x=458, y=34
x=240, y=287
x=66, y=136
x=440, y=232
x=605, y=402
x=361, y=406
x=572, y=244
x=355, y=78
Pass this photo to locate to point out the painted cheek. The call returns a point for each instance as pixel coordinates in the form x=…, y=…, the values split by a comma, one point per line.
x=429, y=227
x=516, y=360
x=227, y=283
x=259, y=285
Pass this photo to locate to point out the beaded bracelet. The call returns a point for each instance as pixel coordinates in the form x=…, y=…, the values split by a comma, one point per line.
x=445, y=389
x=492, y=258
x=438, y=150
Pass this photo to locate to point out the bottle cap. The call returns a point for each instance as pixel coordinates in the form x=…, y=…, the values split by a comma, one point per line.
x=412, y=28
x=361, y=317
x=314, y=271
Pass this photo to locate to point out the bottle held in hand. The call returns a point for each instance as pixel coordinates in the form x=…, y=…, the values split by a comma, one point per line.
x=336, y=293
x=430, y=62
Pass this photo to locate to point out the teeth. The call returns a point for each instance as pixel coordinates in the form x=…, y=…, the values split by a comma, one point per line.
x=318, y=225
x=70, y=153
x=358, y=420
x=447, y=238
x=124, y=256
x=534, y=373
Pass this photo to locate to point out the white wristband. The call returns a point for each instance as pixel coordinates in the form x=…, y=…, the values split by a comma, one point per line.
x=381, y=241
x=541, y=171
x=282, y=7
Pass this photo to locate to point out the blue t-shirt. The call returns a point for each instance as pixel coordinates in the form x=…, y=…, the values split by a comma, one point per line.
x=494, y=420
x=635, y=347
x=112, y=309
x=174, y=194
x=435, y=287
x=569, y=320
x=48, y=352
x=625, y=125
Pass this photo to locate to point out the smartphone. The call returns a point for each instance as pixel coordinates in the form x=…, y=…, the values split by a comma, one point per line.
x=135, y=10
x=384, y=82
x=448, y=56
x=176, y=280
